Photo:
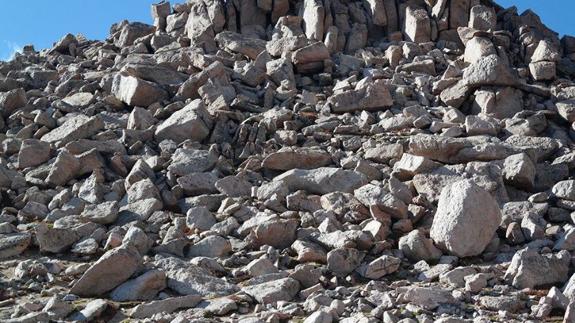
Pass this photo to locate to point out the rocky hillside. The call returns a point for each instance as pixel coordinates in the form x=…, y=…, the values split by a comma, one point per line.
x=307, y=161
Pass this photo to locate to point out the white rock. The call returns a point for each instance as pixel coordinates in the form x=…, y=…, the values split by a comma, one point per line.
x=459, y=226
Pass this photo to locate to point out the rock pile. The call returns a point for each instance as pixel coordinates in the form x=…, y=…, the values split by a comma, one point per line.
x=285, y=161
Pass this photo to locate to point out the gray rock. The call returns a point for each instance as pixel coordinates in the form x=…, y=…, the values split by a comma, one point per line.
x=322, y=180
x=103, y=213
x=12, y=100
x=380, y=267
x=343, y=261
x=191, y=122
x=55, y=240
x=426, y=297
x=519, y=171
x=79, y=100
x=65, y=168
x=195, y=184
x=91, y=311
x=33, y=152
x=289, y=158
x=137, y=92
x=368, y=95
x=14, y=244
x=141, y=288
x=530, y=269
x=111, y=270
x=200, y=218
x=459, y=227
x=565, y=190
x=416, y=246
x=417, y=25
x=212, y=246
x=188, y=279
x=74, y=128
x=274, y=291
x=482, y=18
x=168, y=305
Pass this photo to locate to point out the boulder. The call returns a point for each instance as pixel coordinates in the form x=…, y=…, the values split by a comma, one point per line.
x=111, y=270
x=530, y=269
x=289, y=158
x=274, y=291
x=417, y=25
x=459, y=227
x=321, y=180
x=137, y=92
x=191, y=122
x=74, y=128
x=368, y=95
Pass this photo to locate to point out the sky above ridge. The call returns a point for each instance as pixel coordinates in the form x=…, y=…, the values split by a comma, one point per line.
x=42, y=22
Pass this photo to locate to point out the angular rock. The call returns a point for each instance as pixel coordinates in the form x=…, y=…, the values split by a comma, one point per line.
x=12, y=100
x=274, y=291
x=188, y=123
x=380, y=267
x=459, y=227
x=142, y=288
x=111, y=270
x=482, y=18
x=288, y=158
x=65, y=167
x=74, y=128
x=417, y=25
x=33, y=152
x=13, y=244
x=137, y=92
x=530, y=269
x=369, y=96
x=167, y=305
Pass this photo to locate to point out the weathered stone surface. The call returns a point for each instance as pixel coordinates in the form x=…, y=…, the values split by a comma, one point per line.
x=292, y=160
x=459, y=227
x=271, y=292
x=343, y=261
x=482, y=18
x=33, y=152
x=245, y=45
x=167, y=305
x=65, y=167
x=380, y=267
x=289, y=158
x=111, y=270
x=416, y=246
x=137, y=92
x=478, y=47
x=313, y=19
x=520, y=171
x=142, y=288
x=55, y=240
x=74, y=128
x=79, y=100
x=191, y=122
x=530, y=269
x=13, y=244
x=12, y=100
x=321, y=180
x=368, y=95
x=417, y=25
x=190, y=279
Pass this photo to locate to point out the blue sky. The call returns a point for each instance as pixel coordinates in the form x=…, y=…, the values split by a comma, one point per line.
x=42, y=22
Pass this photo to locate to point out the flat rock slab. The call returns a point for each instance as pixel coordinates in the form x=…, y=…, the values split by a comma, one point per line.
x=270, y=292
x=77, y=127
x=13, y=244
x=112, y=269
